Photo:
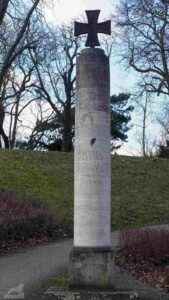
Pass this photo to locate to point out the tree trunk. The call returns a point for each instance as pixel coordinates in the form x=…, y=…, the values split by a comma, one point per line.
x=67, y=130
x=143, y=138
x=67, y=140
x=13, y=138
x=5, y=138
x=144, y=124
x=2, y=133
x=3, y=8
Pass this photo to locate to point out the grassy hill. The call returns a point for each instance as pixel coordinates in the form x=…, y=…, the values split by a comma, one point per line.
x=140, y=186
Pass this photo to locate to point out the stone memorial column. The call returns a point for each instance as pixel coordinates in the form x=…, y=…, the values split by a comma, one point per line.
x=92, y=181
x=91, y=258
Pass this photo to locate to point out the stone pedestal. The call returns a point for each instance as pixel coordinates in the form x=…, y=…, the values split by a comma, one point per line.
x=91, y=269
x=90, y=261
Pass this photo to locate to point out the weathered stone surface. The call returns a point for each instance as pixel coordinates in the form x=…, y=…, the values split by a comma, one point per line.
x=92, y=206
x=91, y=269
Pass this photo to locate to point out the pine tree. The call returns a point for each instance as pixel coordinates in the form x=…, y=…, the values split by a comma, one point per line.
x=120, y=117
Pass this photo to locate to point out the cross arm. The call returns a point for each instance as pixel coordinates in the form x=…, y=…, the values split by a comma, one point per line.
x=104, y=27
x=81, y=28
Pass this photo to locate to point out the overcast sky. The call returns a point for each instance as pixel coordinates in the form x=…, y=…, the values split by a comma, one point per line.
x=66, y=10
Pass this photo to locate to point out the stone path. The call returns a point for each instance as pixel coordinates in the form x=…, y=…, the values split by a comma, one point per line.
x=23, y=272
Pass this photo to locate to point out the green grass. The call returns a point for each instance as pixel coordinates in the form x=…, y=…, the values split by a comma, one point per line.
x=44, y=176
x=59, y=280
x=140, y=189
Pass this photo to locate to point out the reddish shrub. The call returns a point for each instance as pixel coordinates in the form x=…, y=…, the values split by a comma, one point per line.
x=146, y=243
x=20, y=220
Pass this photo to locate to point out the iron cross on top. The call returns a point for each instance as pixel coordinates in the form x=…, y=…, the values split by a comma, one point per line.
x=92, y=28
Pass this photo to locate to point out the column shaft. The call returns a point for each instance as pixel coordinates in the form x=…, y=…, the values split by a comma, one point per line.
x=92, y=203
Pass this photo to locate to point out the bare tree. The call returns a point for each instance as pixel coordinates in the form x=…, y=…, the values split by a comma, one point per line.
x=163, y=121
x=12, y=43
x=144, y=108
x=39, y=126
x=19, y=94
x=144, y=35
x=55, y=67
x=16, y=48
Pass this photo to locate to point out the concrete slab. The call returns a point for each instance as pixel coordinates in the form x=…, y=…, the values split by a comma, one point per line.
x=60, y=293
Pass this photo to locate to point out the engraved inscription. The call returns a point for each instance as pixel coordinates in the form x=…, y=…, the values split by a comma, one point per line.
x=94, y=169
x=91, y=181
x=95, y=268
x=91, y=155
x=86, y=119
x=103, y=146
x=92, y=118
x=103, y=132
x=90, y=72
x=100, y=103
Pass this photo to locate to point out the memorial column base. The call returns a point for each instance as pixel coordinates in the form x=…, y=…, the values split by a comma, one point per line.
x=91, y=268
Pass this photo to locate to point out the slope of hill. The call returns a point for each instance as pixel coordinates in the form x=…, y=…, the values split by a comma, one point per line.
x=140, y=189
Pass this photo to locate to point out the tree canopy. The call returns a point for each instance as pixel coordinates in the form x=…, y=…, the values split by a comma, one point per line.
x=163, y=150
x=120, y=118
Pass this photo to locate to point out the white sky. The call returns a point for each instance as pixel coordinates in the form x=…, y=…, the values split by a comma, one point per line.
x=66, y=10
